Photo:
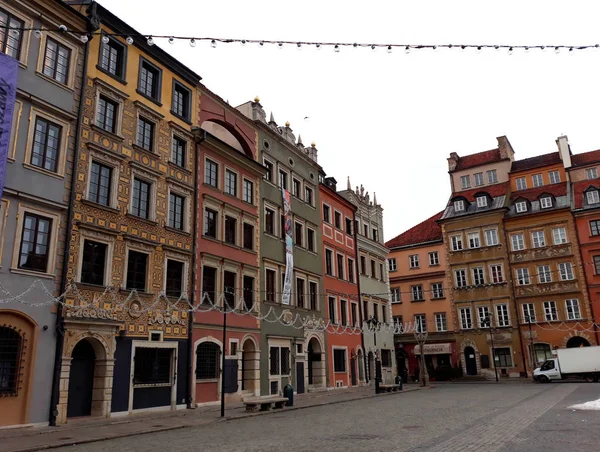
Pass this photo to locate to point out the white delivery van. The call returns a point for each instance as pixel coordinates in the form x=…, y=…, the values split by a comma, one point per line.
x=579, y=362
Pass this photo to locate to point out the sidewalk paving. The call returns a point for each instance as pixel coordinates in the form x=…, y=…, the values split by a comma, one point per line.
x=86, y=430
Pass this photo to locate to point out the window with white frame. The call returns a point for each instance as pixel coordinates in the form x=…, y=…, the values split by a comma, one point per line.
x=523, y=276
x=478, y=276
x=459, y=205
x=396, y=295
x=554, y=177
x=437, y=290
x=441, y=324
x=491, y=237
x=420, y=323
x=460, y=277
x=496, y=272
x=457, y=243
x=591, y=173
x=474, y=241
x=537, y=179
x=518, y=242
x=466, y=321
x=417, y=292
x=566, y=271
x=544, y=274
x=546, y=202
x=392, y=264
x=537, y=239
x=465, y=182
x=502, y=316
x=434, y=258
x=482, y=201
x=521, y=183
x=483, y=316
x=503, y=357
x=413, y=260
x=478, y=179
x=573, y=311
x=492, y=176
x=521, y=206
x=593, y=197
x=559, y=235
x=528, y=312
x=231, y=179
x=550, y=311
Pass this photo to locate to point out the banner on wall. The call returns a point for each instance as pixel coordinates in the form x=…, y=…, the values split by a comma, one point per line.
x=289, y=252
x=9, y=68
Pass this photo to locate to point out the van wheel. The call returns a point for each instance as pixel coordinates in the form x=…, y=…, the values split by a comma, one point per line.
x=544, y=379
x=590, y=378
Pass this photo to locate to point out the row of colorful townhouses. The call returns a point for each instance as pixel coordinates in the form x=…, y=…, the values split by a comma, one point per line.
x=507, y=272
x=161, y=249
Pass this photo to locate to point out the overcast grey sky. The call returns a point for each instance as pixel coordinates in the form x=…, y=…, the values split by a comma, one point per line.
x=389, y=121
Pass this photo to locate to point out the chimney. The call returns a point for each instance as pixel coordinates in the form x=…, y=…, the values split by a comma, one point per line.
x=453, y=161
x=564, y=150
x=506, y=150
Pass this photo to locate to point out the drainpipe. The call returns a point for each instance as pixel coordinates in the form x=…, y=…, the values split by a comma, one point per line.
x=360, y=302
x=60, y=329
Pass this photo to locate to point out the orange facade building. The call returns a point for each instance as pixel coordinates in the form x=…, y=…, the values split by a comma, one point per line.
x=340, y=279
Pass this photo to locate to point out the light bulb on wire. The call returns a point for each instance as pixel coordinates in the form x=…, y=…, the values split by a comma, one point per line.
x=510, y=50
x=192, y=42
x=336, y=49
x=407, y=50
x=150, y=41
x=213, y=44
x=389, y=49
x=557, y=50
x=84, y=38
x=38, y=33
x=571, y=51
x=318, y=46
x=373, y=47
x=479, y=49
x=299, y=46
x=105, y=39
x=129, y=40
x=243, y=42
x=280, y=45
x=171, y=40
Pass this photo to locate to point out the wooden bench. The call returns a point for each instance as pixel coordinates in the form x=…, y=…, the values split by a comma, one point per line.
x=265, y=403
x=389, y=388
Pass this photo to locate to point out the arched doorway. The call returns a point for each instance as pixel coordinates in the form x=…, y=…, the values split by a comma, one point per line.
x=361, y=366
x=577, y=341
x=81, y=380
x=371, y=358
x=250, y=366
x=470, y=361
x=316, y=366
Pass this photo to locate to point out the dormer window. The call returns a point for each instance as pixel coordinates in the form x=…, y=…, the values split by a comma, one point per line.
x=482, y=201
x=546, y=202
x=593, y=197
x=459, y=206
x=521, y=206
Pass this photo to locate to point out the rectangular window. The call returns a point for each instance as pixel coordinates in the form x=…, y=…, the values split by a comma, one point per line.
x=248, y=194
x=296, y=188
x=573, y=311
x=152, y=365
x=174, y=283
x=112, y=58
x=56, y=61
x=537, y=179
x=502, y=317
x=308, y=196
x=100, y=184
x=478, y=276
x=440, y=322
x=474, y=240
x=283, y=181
x=230, y=230
x=373, y=271
x=344, y=312
x=326, y=213
x=331, y=306
x=176, y=211
x=591, y=173
x=523, y=276
x=282, y=226
x=329, y=262
x=491, y=237
x=459, y=205
x=375, y=235
x=141, y=199
x=597, y=264
x=211, y=173
x=484, y=317
x=10, y=41
x=521, y=183
x=270, y=221
x=149, y=80
x=351, y=270
x=312, y=293
x=106, y=116
x=137, y=270
x=434, y=258
x=544, y=274
x=492, y=177
x=413, y=260
x=178, y=155
x=46, y=144
x=478, y=179
x=209, y=285
x=354, y=312
x=337, y=220
x=559, y=235
x=537, y=239
x=550, y=311
x=392, y=264
x=518, y=242
x=269, y=173
x=466, y=322
x=145, y=134
x=566, y=271
x=460, y=277
x=437, y=290
x=482, y=201
x=395, y=295
x=181, y=100
x=546, y=202
x=210, y=223
x=384, y=313
x=248, y=231
x=457, y=243
x=528, y=312
x=270, y=285
x=310, y=239
x=365, y=309
x=339, y=360
x=554, y=177
x=375, y=311
x=366, y=232
x=349, y=226
x=420, y=323
x=497, y=276
x=381, y=272
x=417, y=293
x=300, y=292
x=248, y=292
x=340, y=266
x=521, y=207
x=229, y=289
x=363, y=265
x=93, y=263
x=593, y=197
x=299, y=234
x=465, y=182
x=503, y=357
x=230, y=183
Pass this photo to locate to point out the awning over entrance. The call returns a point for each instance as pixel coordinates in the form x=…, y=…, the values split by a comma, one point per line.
x=433, y=349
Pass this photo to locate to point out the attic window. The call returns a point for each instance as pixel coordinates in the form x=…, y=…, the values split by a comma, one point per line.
x=546, y=202
x=482, y=201
x=521, y=206
x=593, y=197
x=591, y=173
x=459, y=206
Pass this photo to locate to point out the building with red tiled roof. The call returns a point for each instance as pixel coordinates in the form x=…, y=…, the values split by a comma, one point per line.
x=536, y=162
x=425, y=232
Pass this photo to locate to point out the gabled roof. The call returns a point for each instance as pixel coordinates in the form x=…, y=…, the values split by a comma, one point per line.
x=480, y=158
x=579, y=189
x=586, y=158
x=536, y=162
x=533, y=194
x=493, y=190
x=427, y=231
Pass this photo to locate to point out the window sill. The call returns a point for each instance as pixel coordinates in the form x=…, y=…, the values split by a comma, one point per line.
x=208, y=380
x=142, y=149
x=145, y=220
x=183, y=118
x=91, y=286
x=25, y=272
x=178, y=231
x=151, y=385
x=418, y=301
x=112, y=135
x=432, y=265
x=113, y=76
x=55, y=82
x=214, y=187
x=151, y=99
x=43, y=171
x=87, y=202
x=128, y=290
x=180, y=168
x=414, y=268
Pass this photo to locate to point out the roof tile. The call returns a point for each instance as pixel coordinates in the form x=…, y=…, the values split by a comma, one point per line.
x=533, y=194
x=578, y=189
x=493, y=190
x=480, y=158
x=586, y=158
x=536, y=162
x=427, y=231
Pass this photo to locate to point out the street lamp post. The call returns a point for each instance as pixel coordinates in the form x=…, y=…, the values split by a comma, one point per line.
x=421, y=337
x=375, y=325
x=528, y=319
x=488, y=322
